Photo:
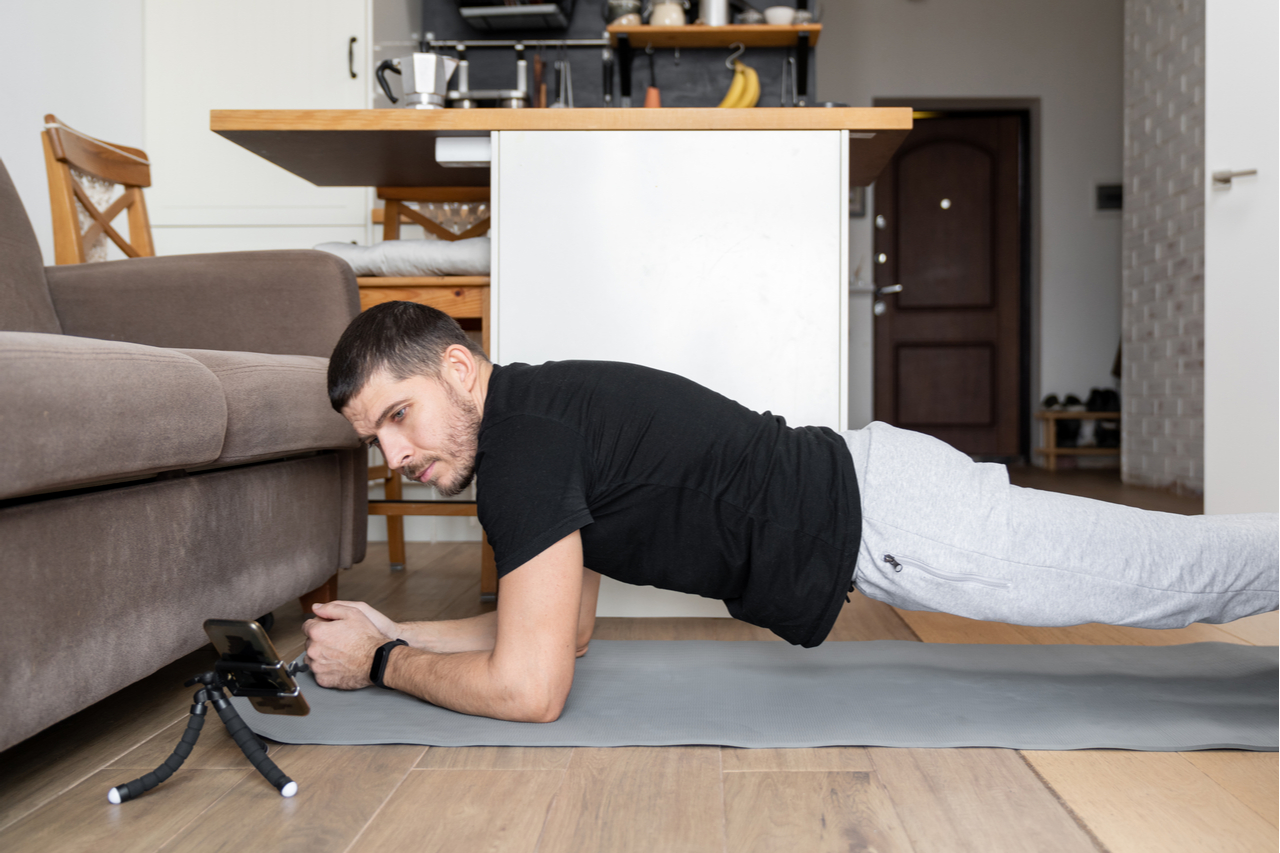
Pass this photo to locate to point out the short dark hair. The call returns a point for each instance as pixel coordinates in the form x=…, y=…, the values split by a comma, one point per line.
x=404, y=338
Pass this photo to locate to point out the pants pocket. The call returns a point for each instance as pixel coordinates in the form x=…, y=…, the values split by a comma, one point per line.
x=899, y=563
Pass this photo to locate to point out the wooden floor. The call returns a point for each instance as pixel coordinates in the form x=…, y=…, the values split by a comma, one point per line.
x=410, y=798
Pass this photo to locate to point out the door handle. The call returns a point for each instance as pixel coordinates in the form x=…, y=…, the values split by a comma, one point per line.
x=1223, y=179
x=351, y=57
x=885, y=291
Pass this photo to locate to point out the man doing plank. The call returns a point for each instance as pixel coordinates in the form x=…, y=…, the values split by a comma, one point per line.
x=590, y=468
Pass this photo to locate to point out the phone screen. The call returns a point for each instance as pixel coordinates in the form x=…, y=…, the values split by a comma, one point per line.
x=272, y=691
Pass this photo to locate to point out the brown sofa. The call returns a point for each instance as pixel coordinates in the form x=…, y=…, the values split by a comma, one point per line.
x=169, y=455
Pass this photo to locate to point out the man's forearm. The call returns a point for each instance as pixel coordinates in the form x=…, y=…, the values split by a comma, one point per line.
x=477, y=633
x=469, y=683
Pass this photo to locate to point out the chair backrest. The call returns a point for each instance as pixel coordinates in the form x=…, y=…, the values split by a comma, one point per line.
x=442, y=202
x=92, y=182
x=25, y=305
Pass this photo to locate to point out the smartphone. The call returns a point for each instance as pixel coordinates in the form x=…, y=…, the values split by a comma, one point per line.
x=252, y=668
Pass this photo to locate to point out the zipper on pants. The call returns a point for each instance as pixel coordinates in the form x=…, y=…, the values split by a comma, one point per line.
x=899, y=563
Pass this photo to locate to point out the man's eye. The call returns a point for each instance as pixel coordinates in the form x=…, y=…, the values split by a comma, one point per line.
x=399, y=415
x=373, y=442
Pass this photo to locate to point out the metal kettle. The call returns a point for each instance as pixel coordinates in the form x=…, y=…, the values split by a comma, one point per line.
x=424, y=79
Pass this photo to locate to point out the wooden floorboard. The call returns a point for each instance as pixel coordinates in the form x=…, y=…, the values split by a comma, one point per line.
x=391, y=798
x=829, y=811
x=495, y=811
x=81, y=819
x=638, y=799
x=832, y=758
x=1250, y=777
x=953, y=800
x=340, y=789
x=496, y=758
x=945, y=628
x=1135, y=801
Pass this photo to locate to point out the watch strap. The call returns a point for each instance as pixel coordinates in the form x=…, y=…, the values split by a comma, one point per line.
x=380, y=657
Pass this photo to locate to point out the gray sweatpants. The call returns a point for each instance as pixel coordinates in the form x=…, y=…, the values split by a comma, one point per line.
x=941, y=532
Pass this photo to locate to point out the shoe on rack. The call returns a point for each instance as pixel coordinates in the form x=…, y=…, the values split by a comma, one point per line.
x=1105, y=433
x=1069, y=430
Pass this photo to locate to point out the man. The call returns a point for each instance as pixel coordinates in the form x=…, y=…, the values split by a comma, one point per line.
x=588, y=467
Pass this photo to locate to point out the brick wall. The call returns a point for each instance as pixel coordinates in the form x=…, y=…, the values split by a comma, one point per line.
x=1163, y=244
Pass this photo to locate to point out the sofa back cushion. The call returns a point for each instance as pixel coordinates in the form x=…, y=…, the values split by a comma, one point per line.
x=24, y=297
x=277, y=405
x=80, y=411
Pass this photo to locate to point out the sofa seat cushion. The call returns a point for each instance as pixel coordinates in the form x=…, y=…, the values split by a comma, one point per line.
x=81, y=411
x=277, y=405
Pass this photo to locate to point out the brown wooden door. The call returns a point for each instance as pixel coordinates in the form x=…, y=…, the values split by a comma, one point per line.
x=948, y=345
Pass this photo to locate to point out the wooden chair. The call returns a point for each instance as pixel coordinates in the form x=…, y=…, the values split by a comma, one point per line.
x=466, y=299
x=397, y=200
x=84, y=177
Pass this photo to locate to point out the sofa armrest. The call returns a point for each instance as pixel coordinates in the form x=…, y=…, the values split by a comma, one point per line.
x=280, y=302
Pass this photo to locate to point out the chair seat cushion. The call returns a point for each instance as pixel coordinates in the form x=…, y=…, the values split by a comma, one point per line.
x=415, y=257
x=277, y=405
x=80, y=411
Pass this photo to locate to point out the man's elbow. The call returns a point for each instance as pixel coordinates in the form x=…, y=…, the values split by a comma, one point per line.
x=549, y=714
x=543, y=707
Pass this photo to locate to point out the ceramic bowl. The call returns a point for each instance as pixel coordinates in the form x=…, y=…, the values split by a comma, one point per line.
x=780, y=15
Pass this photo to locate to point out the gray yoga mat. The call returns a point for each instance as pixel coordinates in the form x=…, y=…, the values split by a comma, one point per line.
x=881, y=693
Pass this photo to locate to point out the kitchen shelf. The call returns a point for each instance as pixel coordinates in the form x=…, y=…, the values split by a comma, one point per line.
x=700, y=35
x=802, y=37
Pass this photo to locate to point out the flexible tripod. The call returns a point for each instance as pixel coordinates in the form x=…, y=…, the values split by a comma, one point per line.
x=212, y=690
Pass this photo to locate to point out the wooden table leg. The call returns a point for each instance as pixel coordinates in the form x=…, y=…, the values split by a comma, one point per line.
x=323, y=594
x=1051, y=443
x=395, y=524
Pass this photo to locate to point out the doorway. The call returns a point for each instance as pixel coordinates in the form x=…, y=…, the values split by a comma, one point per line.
x=952, y=273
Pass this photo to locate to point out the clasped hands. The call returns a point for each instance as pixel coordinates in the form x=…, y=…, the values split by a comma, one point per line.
x=341, y=641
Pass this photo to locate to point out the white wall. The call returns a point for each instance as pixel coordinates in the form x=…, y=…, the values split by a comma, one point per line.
x=1242, y=264
x=1069, y=57
x=78, y=59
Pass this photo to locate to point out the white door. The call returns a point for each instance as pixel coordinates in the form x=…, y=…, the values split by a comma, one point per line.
x=717, y=255
x=1242, y=261
x=202, y=55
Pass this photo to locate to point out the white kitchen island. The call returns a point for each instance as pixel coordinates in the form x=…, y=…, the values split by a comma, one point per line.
x=710, y=243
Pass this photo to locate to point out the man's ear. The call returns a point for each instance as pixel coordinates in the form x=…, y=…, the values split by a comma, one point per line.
x=460, y=365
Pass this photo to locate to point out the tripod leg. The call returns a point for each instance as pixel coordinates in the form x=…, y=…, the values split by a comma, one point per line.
x=252, y=747
x=141, y=785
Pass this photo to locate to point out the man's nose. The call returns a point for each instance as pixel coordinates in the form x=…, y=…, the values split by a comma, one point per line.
x=397, y=451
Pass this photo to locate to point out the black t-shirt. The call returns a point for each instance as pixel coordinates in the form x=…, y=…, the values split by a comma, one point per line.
x=673, y=486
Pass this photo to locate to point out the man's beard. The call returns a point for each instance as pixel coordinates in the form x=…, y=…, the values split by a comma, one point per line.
x=463, y=437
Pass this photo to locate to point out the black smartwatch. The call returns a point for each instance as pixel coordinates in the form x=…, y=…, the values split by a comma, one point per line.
x=380, y=657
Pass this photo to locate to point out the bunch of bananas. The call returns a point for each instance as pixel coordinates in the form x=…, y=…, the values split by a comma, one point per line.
x=744, y=91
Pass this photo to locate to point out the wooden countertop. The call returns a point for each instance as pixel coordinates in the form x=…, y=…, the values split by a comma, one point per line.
x=385, y=147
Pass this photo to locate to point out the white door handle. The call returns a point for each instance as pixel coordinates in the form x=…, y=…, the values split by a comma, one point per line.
x=1224, y=178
